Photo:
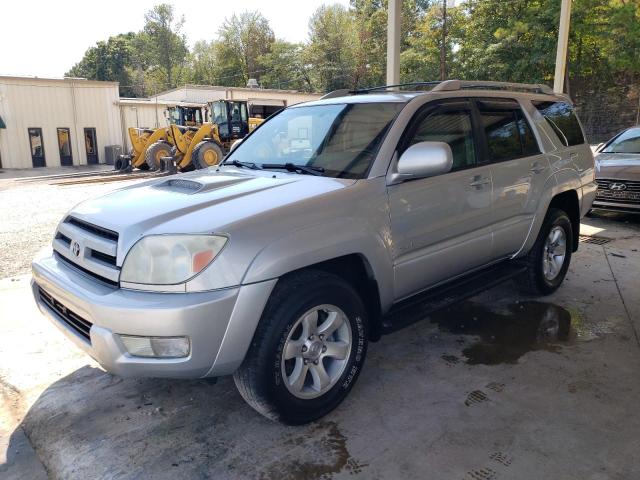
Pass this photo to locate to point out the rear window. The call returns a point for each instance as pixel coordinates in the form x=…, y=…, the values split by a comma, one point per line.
x=563, y=121
x=507, y=132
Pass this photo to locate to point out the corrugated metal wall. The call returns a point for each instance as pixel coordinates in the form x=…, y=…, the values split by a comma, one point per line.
x=192, y=93
x=49, y=104
x=140, y=115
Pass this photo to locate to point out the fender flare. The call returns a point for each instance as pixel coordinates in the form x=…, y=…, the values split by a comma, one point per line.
x=301, y=248
x=560, y=181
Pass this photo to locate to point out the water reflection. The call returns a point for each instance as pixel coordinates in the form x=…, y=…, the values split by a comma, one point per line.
x=507, y=332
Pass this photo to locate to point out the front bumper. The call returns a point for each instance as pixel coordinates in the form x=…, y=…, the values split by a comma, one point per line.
x=616, y=206
x=219, y=323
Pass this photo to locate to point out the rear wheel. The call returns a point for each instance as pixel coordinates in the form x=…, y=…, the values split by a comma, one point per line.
x=155, y=152
x=548, y=260
x=307, y=351
x=207, y=154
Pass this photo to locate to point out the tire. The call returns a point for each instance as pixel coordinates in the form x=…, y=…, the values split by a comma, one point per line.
x=155, y=152
x=266, y=377
x=207, y=154
x=540, y=279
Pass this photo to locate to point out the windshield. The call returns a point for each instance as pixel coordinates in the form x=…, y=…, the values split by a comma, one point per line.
x=626, y=142
x=339, y=140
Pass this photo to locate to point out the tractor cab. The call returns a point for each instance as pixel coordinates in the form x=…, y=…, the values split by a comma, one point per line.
x=185, y=116
x=231, y=117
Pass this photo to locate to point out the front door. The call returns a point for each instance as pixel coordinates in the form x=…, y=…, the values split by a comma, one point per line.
x=91, y=145
x=36, y=145
x=441, y=225
x=64, y=147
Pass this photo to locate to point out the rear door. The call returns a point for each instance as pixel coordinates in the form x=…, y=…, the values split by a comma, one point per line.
x=441, y=225
x=519, y=171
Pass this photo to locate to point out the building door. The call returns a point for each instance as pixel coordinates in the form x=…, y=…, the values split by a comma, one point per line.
x=37, y=147
x=64, y=145
x=91, y=145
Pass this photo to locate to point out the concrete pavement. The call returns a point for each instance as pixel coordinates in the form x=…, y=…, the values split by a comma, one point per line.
x=501, y=386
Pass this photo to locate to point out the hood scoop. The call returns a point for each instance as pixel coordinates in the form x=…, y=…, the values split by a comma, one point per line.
x=182, y=185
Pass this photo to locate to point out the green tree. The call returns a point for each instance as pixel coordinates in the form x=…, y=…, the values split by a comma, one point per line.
x=332, y=48
x=511, y=41
x=164, y=46
x=111, y=60
x=285, y=67
x=243, y=41
x=420, y=60
x=203, y=63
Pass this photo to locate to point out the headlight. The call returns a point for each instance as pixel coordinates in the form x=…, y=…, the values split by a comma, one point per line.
x=170, y=259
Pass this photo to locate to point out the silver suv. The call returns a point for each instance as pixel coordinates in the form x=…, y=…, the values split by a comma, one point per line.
x=309, y=241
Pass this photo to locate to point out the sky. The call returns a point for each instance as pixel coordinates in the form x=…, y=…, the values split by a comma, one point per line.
x=46, y=38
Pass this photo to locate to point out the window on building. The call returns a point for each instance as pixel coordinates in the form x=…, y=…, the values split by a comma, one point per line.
x=36, y=146
x=64, y=146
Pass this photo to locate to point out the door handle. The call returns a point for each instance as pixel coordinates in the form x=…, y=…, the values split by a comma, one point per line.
x=479, y=181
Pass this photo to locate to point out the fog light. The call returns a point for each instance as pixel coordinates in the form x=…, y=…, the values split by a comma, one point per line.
x=157, y=347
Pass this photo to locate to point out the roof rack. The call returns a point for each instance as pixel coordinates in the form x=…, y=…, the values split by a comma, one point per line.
x=451, y=85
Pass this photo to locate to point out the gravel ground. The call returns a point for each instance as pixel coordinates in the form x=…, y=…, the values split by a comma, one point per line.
x=29, y=214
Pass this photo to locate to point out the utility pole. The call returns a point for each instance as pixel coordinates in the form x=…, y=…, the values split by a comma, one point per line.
x=443, y=45
x=394, y=12
x=563, y=43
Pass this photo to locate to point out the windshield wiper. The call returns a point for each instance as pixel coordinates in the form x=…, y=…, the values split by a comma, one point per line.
x=292, y=167
x=239, y=164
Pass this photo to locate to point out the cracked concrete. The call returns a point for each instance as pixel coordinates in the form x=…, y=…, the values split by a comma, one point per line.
x=501, y=386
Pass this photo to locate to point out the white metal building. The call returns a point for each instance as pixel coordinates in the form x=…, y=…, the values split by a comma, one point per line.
x=70, y=121
x=53, y=122
x=262, y=101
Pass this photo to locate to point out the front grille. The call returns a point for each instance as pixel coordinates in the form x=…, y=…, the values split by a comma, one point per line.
x=86, y=271
x=73, y=320
x=629, y=195
x=102, y=232
x=89, y=248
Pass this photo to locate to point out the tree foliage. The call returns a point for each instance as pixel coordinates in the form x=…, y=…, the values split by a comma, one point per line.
x=110, y=60
x=512, y=40
x=163, y=44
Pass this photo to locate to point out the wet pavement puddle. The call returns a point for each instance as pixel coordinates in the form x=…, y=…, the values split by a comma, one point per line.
x=507, y=332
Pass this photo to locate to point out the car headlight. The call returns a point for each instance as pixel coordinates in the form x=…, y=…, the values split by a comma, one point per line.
x=170, y=259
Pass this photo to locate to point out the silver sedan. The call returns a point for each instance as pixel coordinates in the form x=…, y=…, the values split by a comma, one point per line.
x=618, y=173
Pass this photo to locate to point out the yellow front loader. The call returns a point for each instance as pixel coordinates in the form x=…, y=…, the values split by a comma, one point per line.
x=196, y=147
x=141, y=138
x=206, y=145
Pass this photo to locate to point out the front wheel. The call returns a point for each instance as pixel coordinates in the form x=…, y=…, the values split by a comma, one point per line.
x=207, y=154
x=154, y=153
x=307, y=351
x=549, y=258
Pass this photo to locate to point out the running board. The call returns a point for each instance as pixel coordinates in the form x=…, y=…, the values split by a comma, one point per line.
x=419, y=306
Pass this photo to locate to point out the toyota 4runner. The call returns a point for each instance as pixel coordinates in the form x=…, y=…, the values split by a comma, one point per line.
x=281, y=264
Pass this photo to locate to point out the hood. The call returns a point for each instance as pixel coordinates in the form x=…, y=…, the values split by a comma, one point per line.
x=201, y=201
x=618, y=166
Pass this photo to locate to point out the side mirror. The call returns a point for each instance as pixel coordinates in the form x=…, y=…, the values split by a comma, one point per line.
x=424, y=159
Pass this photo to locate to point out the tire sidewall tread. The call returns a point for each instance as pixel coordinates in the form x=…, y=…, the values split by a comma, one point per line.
x=259, y=378
x=535, y=281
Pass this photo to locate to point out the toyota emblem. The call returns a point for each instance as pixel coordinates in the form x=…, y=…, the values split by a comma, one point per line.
x=617, y=186
x=75, y=248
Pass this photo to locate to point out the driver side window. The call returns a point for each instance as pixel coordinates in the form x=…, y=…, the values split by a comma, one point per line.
x=449, y=123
